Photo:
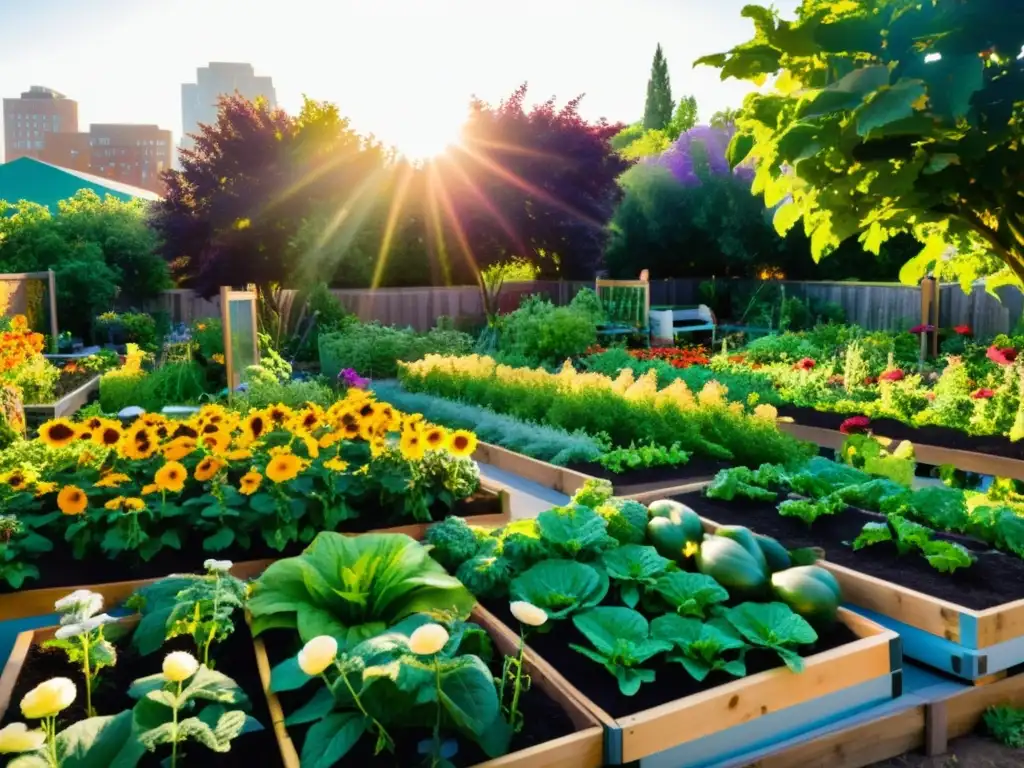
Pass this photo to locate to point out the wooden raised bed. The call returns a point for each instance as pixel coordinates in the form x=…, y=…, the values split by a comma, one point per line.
x=582, y=749
x=39, y=602
x=739, y=716
x=67, y=406
x=548, y=475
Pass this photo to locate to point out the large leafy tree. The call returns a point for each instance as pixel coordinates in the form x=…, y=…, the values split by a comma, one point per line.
x=891, y=116
x=658, y=106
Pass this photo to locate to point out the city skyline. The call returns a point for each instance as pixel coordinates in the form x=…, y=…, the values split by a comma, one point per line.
x=400, y=69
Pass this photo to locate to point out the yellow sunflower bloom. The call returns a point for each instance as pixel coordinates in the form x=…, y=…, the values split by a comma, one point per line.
x=94, y=423
x=185, y=430
x=312, y=448
x=207, y=468
x=138, y=443
x=435, y=438
x=72, y=500
x=18, y=479
x=336, y=465
x=256, y=425
x=238, y=454
x=279, y=414
x=284, y=467
x=58, y=433
x=412, y=445
x=150, y=488
x=42, y=489
x=249, y=483
x=330, y=438
x=153, y=419
x=217, y=442
x=125, y=504
x=107, y=434
x=462, y=443
x=170, y=477
x=178, y=448
x=112, y=480
x=308, y=419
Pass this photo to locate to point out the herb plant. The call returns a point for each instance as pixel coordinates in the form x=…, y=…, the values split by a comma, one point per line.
x=622, y=460
x=1006, y=724
x=702, y=647
x=621, y=641
x=575, y=532
x=810, y=510
x=80, y=636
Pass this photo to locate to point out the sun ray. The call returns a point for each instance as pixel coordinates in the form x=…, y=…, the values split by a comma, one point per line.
x=389, y=230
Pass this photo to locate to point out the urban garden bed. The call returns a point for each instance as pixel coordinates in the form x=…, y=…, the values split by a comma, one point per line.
x=72, y=393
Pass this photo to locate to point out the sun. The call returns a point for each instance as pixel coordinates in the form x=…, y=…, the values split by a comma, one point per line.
x=423, y=140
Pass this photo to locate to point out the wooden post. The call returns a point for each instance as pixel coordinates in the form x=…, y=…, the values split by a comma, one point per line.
x=928, y=303
x=225, y=327
x=52, y=283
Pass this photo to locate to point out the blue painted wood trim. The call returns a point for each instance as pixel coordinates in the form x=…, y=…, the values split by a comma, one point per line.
x=774, y=727
x=969, y=632
x=612, y=745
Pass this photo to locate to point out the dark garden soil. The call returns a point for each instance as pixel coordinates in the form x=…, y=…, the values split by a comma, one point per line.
x=544, y=719
x=59, y=568
x=635, y=481
x=943, y=437
x=968, y=752
x=234, y=657
x=672, y=681
x=995, y=578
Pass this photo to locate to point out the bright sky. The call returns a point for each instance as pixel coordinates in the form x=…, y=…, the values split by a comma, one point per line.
x=401, y=69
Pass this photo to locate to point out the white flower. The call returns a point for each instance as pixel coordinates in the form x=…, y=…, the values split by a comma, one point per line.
x=428, y=639
x=49, y=698
x=81, y=602
x=16, y=737
x=218, y=565
x=179, y=666
x=317, y=654
x=70, y=630
x=528, y=613
x=83, y=626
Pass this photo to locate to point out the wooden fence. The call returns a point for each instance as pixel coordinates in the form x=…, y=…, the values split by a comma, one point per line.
x=23, y=293
x=874, y=306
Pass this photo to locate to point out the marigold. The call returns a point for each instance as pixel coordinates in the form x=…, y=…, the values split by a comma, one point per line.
x=112, y=480
x=125, y=504
x=207, y=468
x=72, y=500
x=170, y=477
x=58, y=433
x=179, y=448
x=412, y=445
x=462, y=443
x=284, y=467
x=249, y=482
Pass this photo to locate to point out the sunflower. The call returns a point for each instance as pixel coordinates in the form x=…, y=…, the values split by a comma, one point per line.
x=367, y=429
x=72, y=500
x=112, y=480
x=238, y=454
x=389, y=418
x=57, y=433
x=412, y=445
x=125, y=504
x=462, y=443
x=330, y=438
x=207, y=468
x=18, y=479
x=170, y=477
x=255, y=425
x=336, y=464
x=178, y=448
x=42, y=489
x=279, y=414
x=217, y=442
x=153, y=419
x=309, y=418
x=93, y=423
x=84, y=434
x=350, y=429
x=284, y=467
x=107, y=434
x=312, y=449
x=367, y=411
x=435, y=438
x=185, y=430
x=249, y=482
x=150, y=488
x=138, y=442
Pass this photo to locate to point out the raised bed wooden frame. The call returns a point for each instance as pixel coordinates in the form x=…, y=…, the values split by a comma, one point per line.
x=735, y=717
x=67, y=406
x=582, y=749
x=39, y=602
x=547, y=475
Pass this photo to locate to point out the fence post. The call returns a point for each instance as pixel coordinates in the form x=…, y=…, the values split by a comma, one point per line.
x=52, y=287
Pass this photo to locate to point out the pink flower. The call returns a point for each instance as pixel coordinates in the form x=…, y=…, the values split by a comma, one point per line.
x=894, y=375
x=919, y=329
x=804, y=364
x=855, y=425
x=1001, y=355
x=962, y=330
x=983, y=394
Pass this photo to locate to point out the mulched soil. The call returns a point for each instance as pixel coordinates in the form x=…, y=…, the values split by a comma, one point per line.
x=653, y=478
x=234, y=657
x=968, y=752
x=672, y=682
x=943, y=437
x=544, y=720
x=995, y=578
x=59, y=568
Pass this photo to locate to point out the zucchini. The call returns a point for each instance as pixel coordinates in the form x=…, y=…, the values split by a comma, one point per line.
x=730, y=564
x=745, y=538
x=673, y=537
x=775, y=554
x=810, y=591
x=680, y=513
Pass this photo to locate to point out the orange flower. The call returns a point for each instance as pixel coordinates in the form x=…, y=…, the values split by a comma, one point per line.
x=170, y=477
x=207, y=468
x=72, y=500
x=249, y=483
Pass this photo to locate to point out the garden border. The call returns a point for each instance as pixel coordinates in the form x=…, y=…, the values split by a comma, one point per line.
x=70, y=404
x=582, y=749
x=39, y=602
x=753, y=709
x=551, y=476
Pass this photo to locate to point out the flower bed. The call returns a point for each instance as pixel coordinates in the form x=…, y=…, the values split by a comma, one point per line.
x=73, y=391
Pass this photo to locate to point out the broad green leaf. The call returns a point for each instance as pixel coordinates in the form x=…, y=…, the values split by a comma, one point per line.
x=210, y=685
x=774, y=626
x=690, y=594
x=151, y=631
x=889, y=105
x=330, y=739
x=575, y=530
x=98, y=741
x=315, y=709
x=739, y=147
x=222, y=539
x=287, y=676
x=786, y=216
x=872, y=533
x=263, y=503
x=469, y=695
x=561, y=587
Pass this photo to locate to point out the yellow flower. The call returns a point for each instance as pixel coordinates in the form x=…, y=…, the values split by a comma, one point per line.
x=309, y=418
x=217, y=441
x=201, y=326
x=217, y=357
x=72, y=500
x=112, y=480
x=238, y=454
x=284, y=467
x=336, y=465
x=153, y=419
x=330, y=438
x=179, y=448
x=462, y=443
x=255, y=425
x=179, y=666
x=412, y=445
x=528, y=613
x=207, y=468
x=279, y=414
x=312, y=449
x=138, y=442
x=428, y=639
x=58, y=433
x=249, y=483
x=42, y=489
x=18, y=479
x=150, y=488
x=435, y=438
x=93, y=423
x=48, y=699
x=766, y=412
x=317, y=655
x=170, y=477
x=185, y=430
x=125, y=504
x=16, y=737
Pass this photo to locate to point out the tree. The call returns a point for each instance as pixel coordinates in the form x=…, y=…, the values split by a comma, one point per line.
x=724, y=118
x=684, y=119
x=540, y=185
x=651, y=144
x=658, y=106
x=887, y=117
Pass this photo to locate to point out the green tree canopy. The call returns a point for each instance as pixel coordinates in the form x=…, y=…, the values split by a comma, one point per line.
x=658, y=107
x=891, y=116
x=684, y=118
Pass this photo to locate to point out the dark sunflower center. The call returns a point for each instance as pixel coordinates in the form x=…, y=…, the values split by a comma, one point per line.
x=461, y=443
x=110, y=436
x=61, y=432
x=209, y=429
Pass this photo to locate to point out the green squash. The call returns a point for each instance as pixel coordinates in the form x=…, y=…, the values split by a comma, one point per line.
x=810, y=591
x=680, y=513
x=674, y=534
x=745, y=538
x=775, y=554
x=730, y=564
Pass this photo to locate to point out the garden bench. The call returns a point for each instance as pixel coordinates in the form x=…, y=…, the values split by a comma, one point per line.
x=667, y=322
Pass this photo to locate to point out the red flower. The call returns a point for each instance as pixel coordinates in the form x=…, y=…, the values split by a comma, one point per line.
x=805, y=364
x=1002, y=355
x=962, y=330
x=983, y=394
x=870, y=380
x=894, y=375
x=919, y=329
x=855, y=425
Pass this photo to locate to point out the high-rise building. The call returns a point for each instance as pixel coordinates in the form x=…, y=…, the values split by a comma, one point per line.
x=199, y=99
x=131, y=154
x=38, y=113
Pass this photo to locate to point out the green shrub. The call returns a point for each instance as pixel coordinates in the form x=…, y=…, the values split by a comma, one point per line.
x=374, y=350
x=539, y=333
x=119, y=390
x=174, y=383
x=294, y=394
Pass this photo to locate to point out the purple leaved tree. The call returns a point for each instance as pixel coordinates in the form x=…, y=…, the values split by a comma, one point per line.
x=698, y=153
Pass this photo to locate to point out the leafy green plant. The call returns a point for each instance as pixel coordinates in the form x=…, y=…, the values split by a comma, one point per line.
x=454, y=541
x=810, y=510
x=486, y=575
x=1006, y=724
x=626, y=518
x=908, y=536
x=575, y=531
x=690, y=594
x=702, y=647
x=561, y=587
x=593, y=493
x=622, y=460
x=80, y=636
x=352, y=588
x=622, y=641
x=773, y=626
x=633, y=568
x=17, y=539
x=738, y=482
x=374, y=350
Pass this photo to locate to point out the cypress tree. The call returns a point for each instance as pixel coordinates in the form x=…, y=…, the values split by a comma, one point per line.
x=658, y=107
